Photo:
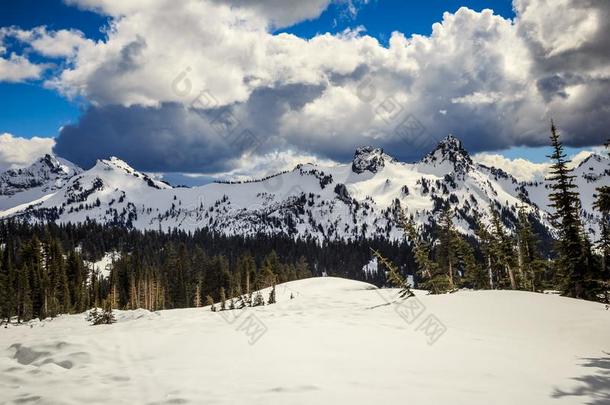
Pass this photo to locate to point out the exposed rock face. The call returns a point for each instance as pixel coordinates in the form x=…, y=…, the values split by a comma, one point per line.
x=368, y=158
x=48, y=172
x=450, y=150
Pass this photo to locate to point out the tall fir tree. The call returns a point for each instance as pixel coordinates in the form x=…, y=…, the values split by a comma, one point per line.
x=448, y=246
x=602, y=204
x=8, y=281
x=531, y=266
x=502, y=248
x=571, y=263
x=24, y=295
x=488, y=247
x=223, y=299
x=430, y=275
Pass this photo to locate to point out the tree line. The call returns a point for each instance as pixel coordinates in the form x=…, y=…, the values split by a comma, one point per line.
x=46, y=269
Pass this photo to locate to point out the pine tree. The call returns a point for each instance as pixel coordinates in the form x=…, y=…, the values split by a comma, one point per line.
x=431, y=277
x=197, y=298
x=210, y=302
x=394, y=277
x=531, y=266
x=76, y=275
x=474, y=274
x=302, y=268
x=223, y=298
x=502, y=250
x=24, y=295
x=564, y=199
x=258, y=299
x=602, y=204
x=8, y=283
x=448, y=246
x=270, y=270
x=486, y=243
x=271, y=299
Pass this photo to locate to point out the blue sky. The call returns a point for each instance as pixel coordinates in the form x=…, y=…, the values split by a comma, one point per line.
x=450, y=94
x=382, y=17
x=29, y=109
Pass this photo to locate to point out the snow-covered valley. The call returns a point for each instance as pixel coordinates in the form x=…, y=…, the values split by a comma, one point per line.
x=336, y=341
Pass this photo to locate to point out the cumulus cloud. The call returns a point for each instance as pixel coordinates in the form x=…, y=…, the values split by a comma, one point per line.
x=17, y=68
x=283, y=13
x=19, y=152
x=62, y=43
x=525, y=170
x=53, y=44
x=167, y=69
x=521, y=169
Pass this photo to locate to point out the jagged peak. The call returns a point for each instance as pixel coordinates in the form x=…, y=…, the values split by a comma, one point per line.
x=369, y=158
x=450, y=149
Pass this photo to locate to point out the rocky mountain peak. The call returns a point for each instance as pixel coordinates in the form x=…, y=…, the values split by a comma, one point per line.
x=368, y=158
x=450, y=149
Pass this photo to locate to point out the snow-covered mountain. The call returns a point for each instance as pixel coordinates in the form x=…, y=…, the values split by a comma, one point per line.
x=353, y=200
x=45, y=176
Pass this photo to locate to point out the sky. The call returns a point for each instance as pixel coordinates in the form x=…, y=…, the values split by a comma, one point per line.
x=212, y=88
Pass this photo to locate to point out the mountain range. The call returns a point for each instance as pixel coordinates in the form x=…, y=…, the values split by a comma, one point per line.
x=345, y=201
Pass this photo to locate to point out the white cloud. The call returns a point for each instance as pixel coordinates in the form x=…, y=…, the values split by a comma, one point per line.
x=525, y=170
x=521, y=169
x=19, y=152
x=62, y=43
x=254, y=167
x=496, y=81
x=16, y=69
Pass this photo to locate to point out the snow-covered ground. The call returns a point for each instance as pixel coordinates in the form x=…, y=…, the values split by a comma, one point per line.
x=337, y=342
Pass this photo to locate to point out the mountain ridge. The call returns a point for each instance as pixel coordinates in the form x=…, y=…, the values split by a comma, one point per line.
x=348, y=201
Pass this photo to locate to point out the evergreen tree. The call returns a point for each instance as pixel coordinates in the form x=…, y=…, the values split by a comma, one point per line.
x=502, y=250
x=8, y=283
x=76, y=276
x=197, y=298
x=302, y=268
x=474, y=274
x=210, y=302
x=602, y=204
x=531, y=267
x=488, y=247
x=258, y=299
x=430, y=275
x=448, y=246
x=223, y=298
x=271, y=299
x=394, y=277
x=571, y=262
x=24, y=295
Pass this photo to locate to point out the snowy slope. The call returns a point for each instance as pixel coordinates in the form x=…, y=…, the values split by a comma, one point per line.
x=42, y=178
x=337, y=342
x=352, y=200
